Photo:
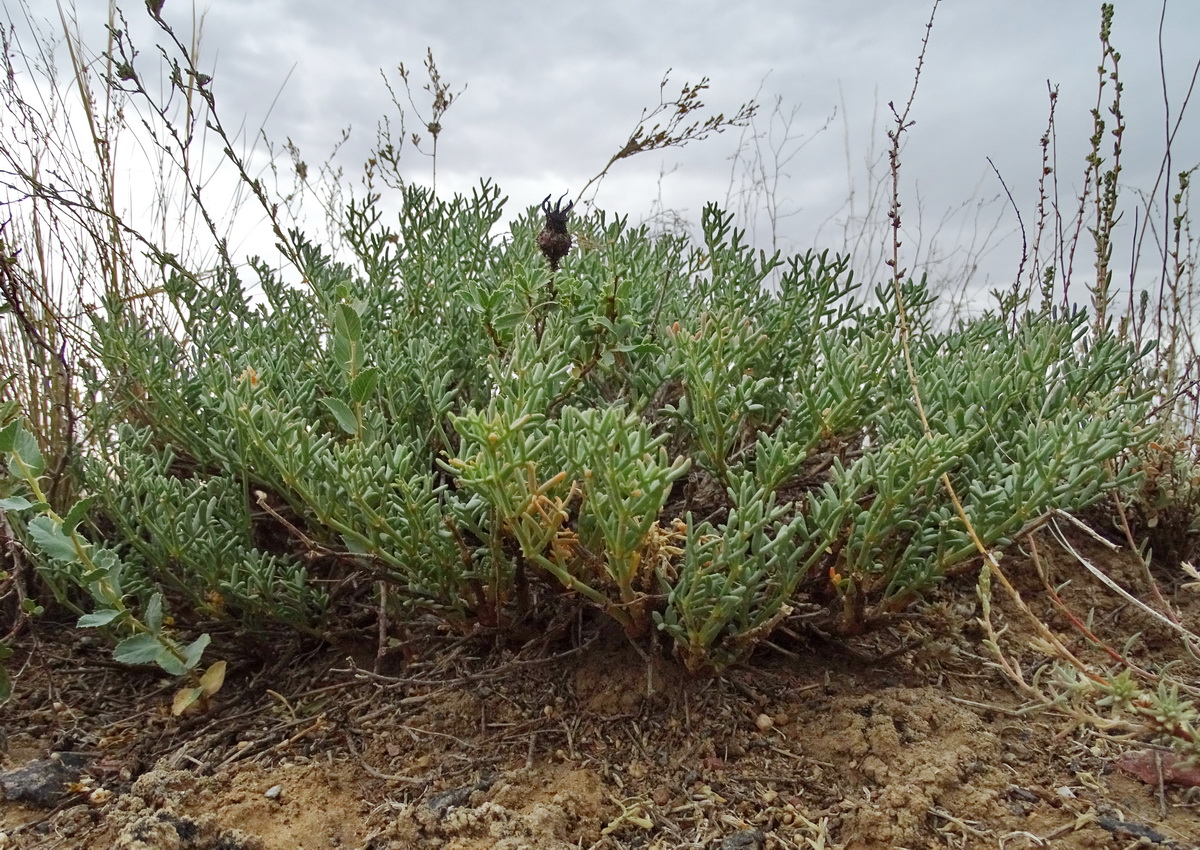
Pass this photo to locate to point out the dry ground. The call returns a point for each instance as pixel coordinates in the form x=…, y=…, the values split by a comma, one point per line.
x=813, y=744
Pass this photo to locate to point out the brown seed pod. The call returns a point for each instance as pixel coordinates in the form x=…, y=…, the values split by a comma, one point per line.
x=554, y=240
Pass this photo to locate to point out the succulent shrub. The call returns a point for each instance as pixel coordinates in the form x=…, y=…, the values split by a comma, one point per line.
x=688, y=438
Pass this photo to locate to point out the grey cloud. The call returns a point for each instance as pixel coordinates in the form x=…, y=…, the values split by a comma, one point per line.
x=554, y=88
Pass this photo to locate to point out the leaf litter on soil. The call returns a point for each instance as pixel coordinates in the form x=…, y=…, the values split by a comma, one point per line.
x=815, y=743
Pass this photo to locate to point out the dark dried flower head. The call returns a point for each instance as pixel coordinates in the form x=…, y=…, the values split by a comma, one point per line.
x=554, y=240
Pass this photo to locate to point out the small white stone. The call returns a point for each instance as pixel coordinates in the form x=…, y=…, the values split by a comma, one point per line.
x=273, y=792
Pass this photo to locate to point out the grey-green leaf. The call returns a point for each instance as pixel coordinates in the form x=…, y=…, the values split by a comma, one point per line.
x=342, y=413
x=168, y=661
x=14, y=439
x=194, y=650
x=49, y=537
x=154, y=613
x=97, y=619
x=364, y=385
x=77, y=513
x=139, y=649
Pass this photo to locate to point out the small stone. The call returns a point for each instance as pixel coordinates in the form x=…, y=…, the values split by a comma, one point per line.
x=443, y=801
x=744, y=839
x=451, y=798
x=45, y=783
x=273, y=792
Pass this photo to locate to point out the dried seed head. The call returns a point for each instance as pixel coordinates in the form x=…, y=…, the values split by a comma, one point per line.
x=554, y=240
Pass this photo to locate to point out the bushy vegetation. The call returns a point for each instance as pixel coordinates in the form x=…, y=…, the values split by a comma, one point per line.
x=695, y=440
x=652, y=431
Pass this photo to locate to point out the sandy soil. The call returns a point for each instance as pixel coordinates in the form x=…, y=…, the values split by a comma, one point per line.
x=589, y=744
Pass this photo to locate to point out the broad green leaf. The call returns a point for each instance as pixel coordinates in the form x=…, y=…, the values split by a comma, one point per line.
x=97, y=618
x=195, y=649
x=108, y=567
x=343, y=351
x=168, y=661
x=139, y=649
x=49, y=537
x=347, y=322
x=77, y=513
x=19, y=443
x=364, y=385
x=15, y=503
x=29, y=452
x=342, y=413
x=8, y=436
x=154, y=613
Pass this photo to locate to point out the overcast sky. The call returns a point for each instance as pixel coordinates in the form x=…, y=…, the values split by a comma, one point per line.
x=553, y=89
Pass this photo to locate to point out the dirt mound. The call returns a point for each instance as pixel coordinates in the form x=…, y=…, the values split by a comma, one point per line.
x=815, y=744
